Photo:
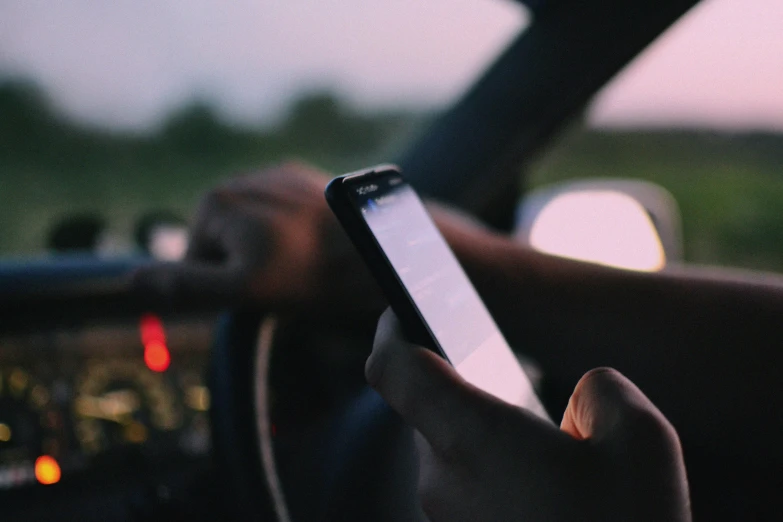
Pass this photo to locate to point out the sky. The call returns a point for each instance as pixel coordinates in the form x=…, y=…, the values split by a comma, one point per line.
x=721, y=65
x=126, y=63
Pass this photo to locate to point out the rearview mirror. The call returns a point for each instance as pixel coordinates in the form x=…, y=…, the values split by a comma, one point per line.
x=620, y=223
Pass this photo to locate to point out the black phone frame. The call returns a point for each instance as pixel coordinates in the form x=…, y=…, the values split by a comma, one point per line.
x=413, y=324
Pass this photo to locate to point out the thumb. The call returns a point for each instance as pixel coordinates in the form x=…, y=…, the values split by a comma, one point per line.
x=635, y=440
x=606, y=405
x=424, y=389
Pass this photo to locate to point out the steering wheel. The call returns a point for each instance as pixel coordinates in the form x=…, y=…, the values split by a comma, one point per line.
x=297, y=433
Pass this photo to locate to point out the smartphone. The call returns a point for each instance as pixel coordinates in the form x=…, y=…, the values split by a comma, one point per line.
x=425, y=285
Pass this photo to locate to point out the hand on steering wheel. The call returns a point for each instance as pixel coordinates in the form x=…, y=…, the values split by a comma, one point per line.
x=269, y=238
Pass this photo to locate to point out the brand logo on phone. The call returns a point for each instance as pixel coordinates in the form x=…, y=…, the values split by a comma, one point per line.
x=367, y=189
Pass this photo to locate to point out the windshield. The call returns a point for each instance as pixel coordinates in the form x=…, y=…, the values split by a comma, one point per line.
x=115, y=117
x=699, y=113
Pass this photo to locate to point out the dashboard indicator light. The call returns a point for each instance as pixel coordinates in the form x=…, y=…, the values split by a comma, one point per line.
x=39, y=397
x=197, y=398
x=5, y=432
x=151, y=329
x=153, y=337
x=18, y=382
x=47, y=471
x=156, y=356
x=135, y=433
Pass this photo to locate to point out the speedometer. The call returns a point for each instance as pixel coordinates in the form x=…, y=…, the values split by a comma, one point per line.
x=122, y=402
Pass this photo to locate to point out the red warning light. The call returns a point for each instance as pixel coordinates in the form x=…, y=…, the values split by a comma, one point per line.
x=157, y=357
x=151, y=329
x=153, y=337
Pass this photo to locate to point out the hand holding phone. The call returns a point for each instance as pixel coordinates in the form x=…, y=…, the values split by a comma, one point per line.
x=426, y=287
x=485, y=460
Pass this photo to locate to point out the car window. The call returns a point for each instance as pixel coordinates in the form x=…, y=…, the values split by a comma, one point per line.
x=116, y=116
x=700, y=113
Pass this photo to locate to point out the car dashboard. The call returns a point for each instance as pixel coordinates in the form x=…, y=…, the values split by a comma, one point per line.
x=104, y=408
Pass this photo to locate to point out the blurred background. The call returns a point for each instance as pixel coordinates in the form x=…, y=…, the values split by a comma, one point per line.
x=117, y=114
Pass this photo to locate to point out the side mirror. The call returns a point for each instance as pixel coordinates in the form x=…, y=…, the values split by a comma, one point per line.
x=620, y=223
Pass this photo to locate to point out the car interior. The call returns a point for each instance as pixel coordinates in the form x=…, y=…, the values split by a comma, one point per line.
x=116, y=404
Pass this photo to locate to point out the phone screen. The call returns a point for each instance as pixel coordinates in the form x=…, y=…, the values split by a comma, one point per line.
x=441, y=291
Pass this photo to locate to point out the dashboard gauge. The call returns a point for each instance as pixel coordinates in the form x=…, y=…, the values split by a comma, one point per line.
x=31, y=428
x=195, y=438
x=122, y=402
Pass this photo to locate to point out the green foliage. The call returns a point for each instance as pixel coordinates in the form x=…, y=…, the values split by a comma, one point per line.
x=728, y=185
x=51, y=168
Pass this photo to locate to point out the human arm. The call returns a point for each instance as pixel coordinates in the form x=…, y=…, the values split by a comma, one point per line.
x=614, y=458
x=691, y=339
x=268, y=238
x=705, y=344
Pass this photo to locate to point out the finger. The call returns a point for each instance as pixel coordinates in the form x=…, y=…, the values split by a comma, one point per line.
x=428, y=463
x=605, y=405
x=215, y=284
x=626, y=428
x=206, y=231
x=439, y=484
x=232, y=229
x=424, y=389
